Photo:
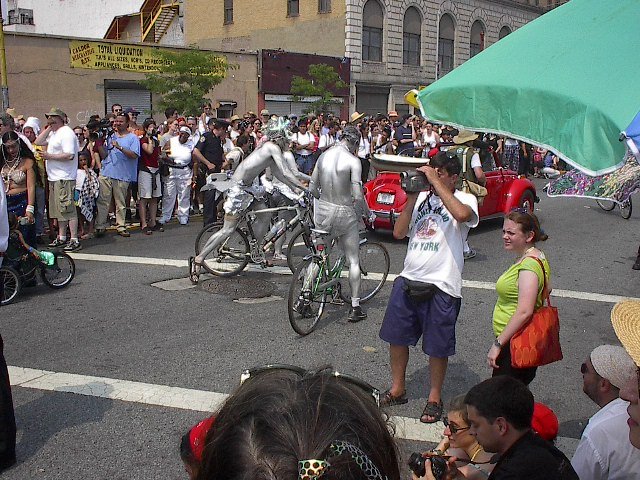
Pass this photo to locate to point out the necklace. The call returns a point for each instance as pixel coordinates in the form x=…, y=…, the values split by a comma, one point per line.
x=526, y=252
x=477, y=450
x=6, y=176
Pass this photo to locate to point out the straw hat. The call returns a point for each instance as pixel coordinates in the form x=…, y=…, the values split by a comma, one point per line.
x=464, y=136
x=355, y=116
x=625, y=318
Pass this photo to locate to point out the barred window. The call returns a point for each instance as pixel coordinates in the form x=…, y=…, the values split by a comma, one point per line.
x=324, y=6
x=446, y=36
x=476, y=44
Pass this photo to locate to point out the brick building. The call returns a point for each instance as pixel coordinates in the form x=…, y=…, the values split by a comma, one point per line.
x=392, y=45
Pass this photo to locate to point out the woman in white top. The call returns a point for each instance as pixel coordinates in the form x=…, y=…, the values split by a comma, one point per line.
x=430, y=138
x=364, y=151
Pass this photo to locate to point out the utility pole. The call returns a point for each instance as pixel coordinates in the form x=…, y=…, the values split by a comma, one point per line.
x=4, y=84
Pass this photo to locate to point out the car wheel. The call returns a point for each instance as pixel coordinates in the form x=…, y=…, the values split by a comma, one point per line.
x=527, y=201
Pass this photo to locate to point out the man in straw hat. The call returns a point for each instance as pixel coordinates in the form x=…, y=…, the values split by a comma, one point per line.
x=604, y=451
x=61, y=161
x=355, y=117
x=471, y=171
x=625, y=318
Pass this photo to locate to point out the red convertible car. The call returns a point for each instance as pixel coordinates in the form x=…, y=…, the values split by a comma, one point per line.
x=386, y=198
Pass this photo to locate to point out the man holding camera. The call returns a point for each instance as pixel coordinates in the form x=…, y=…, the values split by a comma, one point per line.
x=119, y=155
x=426, y=296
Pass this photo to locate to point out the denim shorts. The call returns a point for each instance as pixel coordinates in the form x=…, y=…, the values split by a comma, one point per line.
x=405, y=321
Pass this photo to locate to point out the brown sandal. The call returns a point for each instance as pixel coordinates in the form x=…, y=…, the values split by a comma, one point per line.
x=433, y=410
x=389, y=400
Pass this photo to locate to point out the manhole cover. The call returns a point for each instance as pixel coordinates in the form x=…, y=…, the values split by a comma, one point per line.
x=239, y=287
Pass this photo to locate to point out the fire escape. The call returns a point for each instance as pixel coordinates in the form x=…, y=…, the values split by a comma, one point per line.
x=155, y=18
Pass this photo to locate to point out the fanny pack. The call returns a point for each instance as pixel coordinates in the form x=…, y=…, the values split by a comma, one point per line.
x=419, y=291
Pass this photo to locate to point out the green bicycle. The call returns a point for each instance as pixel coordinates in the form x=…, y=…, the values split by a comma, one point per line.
x=320, y=280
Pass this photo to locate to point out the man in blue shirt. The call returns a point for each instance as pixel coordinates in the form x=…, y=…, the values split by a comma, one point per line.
x=119, y=156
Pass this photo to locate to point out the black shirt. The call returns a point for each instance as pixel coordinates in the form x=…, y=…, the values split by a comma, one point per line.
x=210, y=147
x=533, y=458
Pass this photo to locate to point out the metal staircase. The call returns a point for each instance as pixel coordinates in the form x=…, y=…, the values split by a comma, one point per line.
x=155, y=18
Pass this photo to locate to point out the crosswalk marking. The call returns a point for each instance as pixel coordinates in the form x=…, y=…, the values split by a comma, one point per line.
x=279, y=270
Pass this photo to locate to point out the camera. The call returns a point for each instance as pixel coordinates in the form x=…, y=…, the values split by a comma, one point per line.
x=417, y=465
x=99, y=129
x=413, y=181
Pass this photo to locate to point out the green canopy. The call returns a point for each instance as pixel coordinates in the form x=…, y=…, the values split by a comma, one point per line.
x=568, y=81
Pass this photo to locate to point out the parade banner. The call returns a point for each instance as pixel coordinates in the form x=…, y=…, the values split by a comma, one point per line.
x=113, y=56
x=617, y=186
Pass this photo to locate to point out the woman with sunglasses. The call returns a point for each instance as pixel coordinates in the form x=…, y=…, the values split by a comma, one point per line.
x=472, y=461
x=519, y=288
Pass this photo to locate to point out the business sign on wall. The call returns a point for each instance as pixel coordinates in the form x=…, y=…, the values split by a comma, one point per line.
x=113, y=56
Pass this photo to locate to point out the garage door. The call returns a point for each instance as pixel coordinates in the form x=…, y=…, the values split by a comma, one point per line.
x=293, y=108
x=128, y=94
x=372, y=99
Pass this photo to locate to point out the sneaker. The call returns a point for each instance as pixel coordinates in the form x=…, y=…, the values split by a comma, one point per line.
x=470, y=254
x=57, y=243
x=124, y=233
x=279, y=257
x=158, y=227
x=356, y=314
x=73, y=246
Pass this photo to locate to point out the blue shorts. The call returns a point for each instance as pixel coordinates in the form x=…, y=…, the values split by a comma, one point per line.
x=305, y=163
x=435, y=320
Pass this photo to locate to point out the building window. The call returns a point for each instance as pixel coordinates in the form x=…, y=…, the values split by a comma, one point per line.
x=20, y=16
x=504, y=31
x=293, y=8
x=476, y=43
x=324, y=6
x=372, y=23
x=411, y=37
x=228, y=12
x=446, y=36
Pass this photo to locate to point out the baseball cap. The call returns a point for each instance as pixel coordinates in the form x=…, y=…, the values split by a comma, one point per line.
x=185, y=130
x=131, y=110
x=264, y=112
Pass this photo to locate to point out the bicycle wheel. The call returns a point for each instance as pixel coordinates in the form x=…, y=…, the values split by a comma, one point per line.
x=305, y=308
x=374, y=269
x=12, y=285
x=298, y=247
x=232, y=256
x=60, y=274
x=625, y=209
x=606, y=205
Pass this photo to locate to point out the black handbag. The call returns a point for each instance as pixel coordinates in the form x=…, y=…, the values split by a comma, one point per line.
x=419, y=292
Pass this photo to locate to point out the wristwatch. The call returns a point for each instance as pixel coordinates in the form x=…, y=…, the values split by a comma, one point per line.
x=497, y=343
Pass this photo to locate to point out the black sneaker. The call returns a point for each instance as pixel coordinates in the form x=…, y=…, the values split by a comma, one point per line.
x=57, y=243
x=73, y=246
x=356, y=314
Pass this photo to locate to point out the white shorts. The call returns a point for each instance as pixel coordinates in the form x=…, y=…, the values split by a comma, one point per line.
x=148, y=184
x=238, y=200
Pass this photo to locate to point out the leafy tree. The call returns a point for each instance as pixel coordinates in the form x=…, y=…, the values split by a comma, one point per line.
x=184, y=78
x=323, y=82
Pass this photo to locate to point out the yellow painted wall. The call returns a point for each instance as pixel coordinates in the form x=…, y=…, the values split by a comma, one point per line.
x=264, y=24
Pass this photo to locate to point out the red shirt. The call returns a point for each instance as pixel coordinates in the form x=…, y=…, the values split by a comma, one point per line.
x=147, y=160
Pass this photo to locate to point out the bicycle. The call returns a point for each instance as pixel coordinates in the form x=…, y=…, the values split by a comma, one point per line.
x=56, y=269
x=318, y=281
x=243, y=247
x=625, y=207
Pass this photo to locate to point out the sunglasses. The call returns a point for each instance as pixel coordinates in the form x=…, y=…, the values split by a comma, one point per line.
x=584, y=369
x=521, y=210
x=302, y=373
x=452, y=426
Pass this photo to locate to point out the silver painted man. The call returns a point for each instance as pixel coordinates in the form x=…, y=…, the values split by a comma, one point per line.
x=337, y=184
x=244, y=187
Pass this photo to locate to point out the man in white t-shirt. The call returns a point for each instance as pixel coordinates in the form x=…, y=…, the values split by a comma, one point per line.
x=426, y=296
x=61, y=162
x=604, y=451
x=329, y=138
x=302, y=146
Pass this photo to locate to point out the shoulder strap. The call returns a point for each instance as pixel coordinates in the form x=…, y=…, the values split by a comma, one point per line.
x=545, y=291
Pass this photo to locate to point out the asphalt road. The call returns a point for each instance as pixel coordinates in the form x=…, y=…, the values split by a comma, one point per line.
x=111, y=322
